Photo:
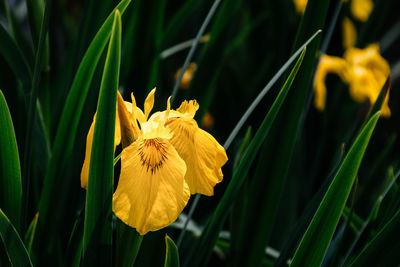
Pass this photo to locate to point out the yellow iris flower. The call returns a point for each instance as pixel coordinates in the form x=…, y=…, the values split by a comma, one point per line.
x=361, y=9
x=364, y=70
x=166, y=157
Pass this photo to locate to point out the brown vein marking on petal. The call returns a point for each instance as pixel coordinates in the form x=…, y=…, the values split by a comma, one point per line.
x=153, y=154
x=182, y=126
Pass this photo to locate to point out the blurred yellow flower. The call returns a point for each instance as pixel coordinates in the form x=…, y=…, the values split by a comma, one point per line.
x=187, y=76
x=368, y=71
x=208, y=121
x=349, y=33
x=361, y=9
x=364, y=70
x=166, y=157
x=300, y=5
x=327, y=64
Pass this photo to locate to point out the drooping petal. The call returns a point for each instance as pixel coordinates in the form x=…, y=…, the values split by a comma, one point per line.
x=327, y=64
x=203, y=155
x=151, y=191
x=89, y=140
x=86, y=162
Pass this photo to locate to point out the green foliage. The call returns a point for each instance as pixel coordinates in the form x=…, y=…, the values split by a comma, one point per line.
x=10, y=171
x=171, y=253
x=285, y=189
x=315, y=242
x=97, y=234
x=16, y=250
x=204, y=247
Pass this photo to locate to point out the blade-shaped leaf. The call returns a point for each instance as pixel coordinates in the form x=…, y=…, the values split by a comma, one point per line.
x=16, y=250
x=74, y=247
x=30, y=233
x=383, y=249
x=171, y=253
x=128, y=245
x=301, y=225
x=15, y=58
x=206, y=243
x=270, y=174
x=315, y=242
x=137, y=37
x=97, y=234
x=65, y=138
x=10, y=170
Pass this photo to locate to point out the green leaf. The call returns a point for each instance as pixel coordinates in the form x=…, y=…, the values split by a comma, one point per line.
x=171, y=253
x=97, y=234
x=383, y=249
x=74, y=247
x=204, y=246
x=210, y=58
x=128, y=245
x=15, y=249
x=10, y=170
x=64, y=142
x=356, y=223
x=35, y=10
x=32, y=111
x=14, y=57
x=315, y=242
x=301, y=224
x=391, y=181
x=175, y=26
x=30, y=233
x=144, y=33
x=270, y=174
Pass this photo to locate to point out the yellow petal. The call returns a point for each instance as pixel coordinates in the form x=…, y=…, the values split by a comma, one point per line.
x=149, y=103
x=129, y=132
x=188, y=109
x=89, y=140
x=361, y=9
x=368, y=57
x=363, y=85
x=151, y=191
x=368, y=71
x=385, y=107
x=300, y=5
x=203, y=155
x=168, y=111
x=86, y=162
x=349, y=33
x=327, y=64
x=153, y=129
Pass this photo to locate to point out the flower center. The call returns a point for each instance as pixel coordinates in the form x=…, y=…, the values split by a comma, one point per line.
x=152, y=154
